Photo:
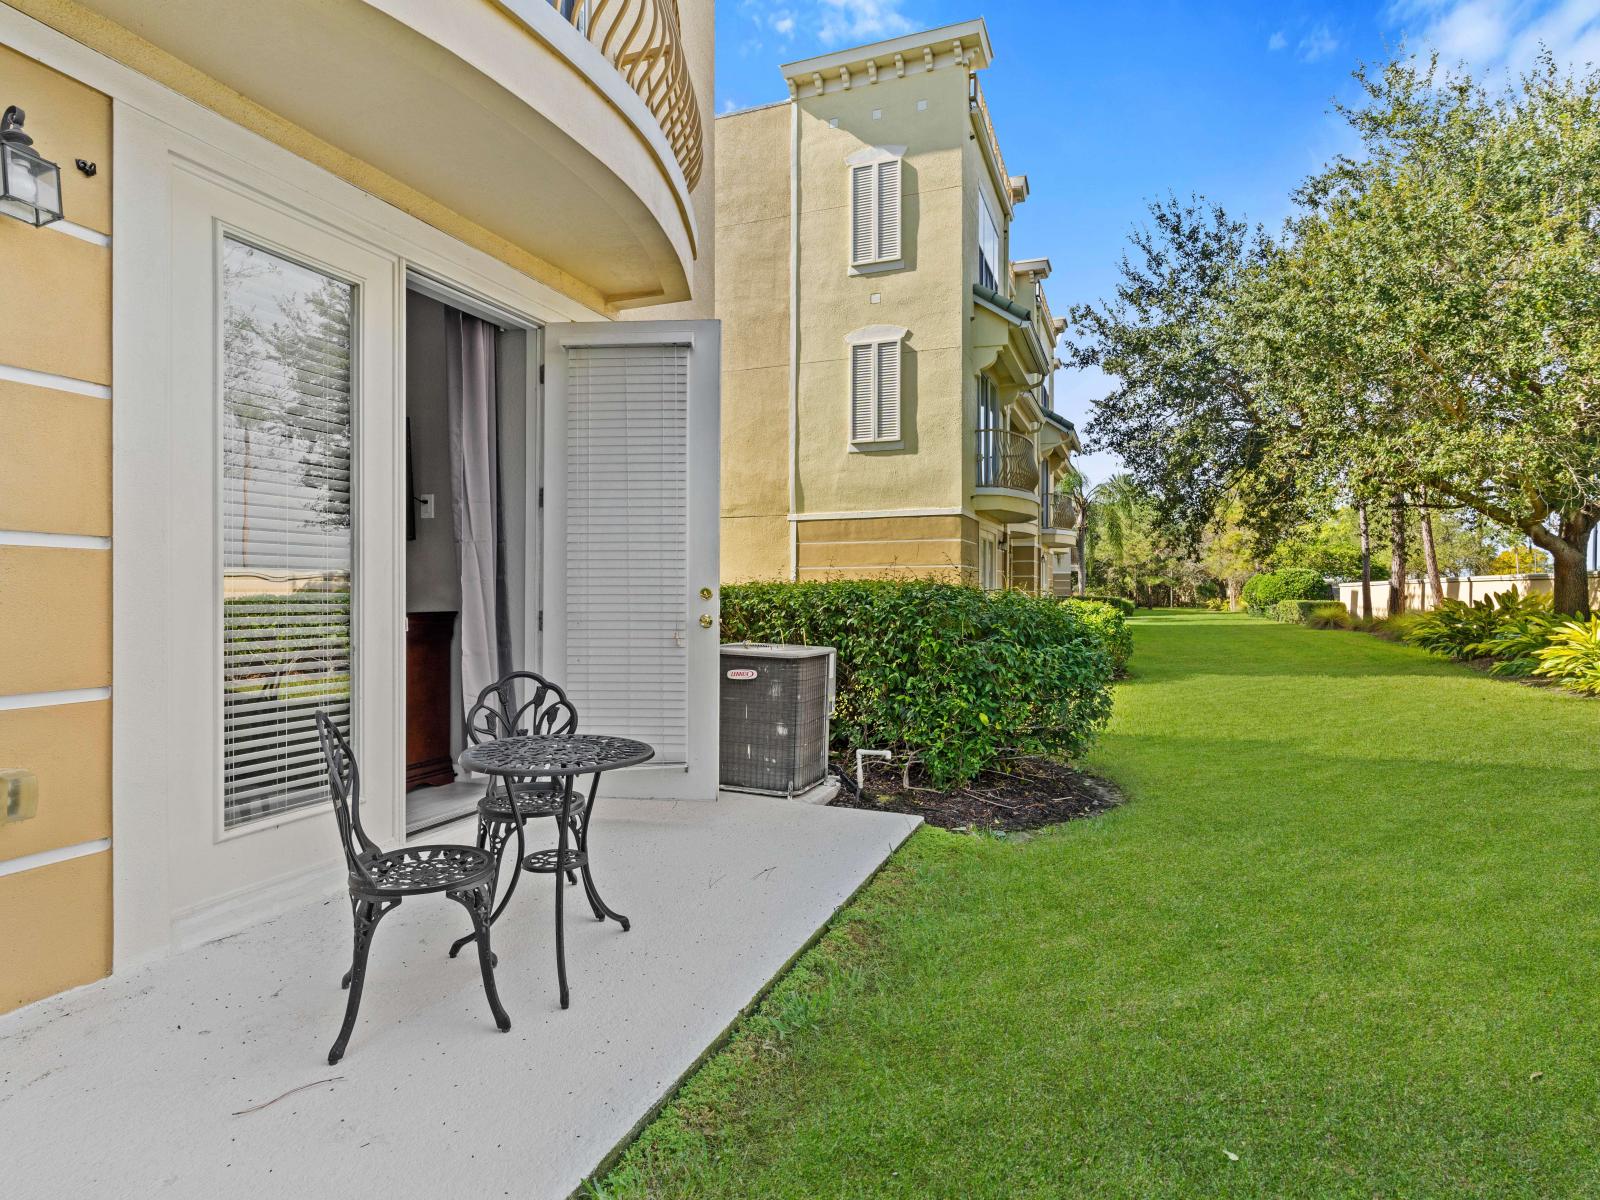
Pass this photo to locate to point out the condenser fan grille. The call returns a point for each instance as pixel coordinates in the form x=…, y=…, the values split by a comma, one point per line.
x=775, y=706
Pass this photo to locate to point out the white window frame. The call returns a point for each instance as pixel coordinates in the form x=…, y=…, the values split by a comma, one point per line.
x=989, y=574
x=988, y=221
x=873, y=163
x=887, y=435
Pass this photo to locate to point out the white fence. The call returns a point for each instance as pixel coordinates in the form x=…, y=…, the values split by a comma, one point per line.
x=1419, y=595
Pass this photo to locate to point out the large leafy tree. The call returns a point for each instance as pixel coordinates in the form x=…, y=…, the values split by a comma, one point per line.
x=1181, y=413
x=1432, y=323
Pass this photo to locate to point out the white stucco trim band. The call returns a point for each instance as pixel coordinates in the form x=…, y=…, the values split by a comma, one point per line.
x=48, y=699
x=60, y=383
x=57, y=541
x=46, y=858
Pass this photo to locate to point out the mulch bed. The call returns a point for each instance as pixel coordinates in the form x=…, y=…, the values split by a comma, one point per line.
x=1020, y=793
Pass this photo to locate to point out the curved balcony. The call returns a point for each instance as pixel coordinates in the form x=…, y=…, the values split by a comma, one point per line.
x=1007, y=480
x=643, y=40
x=563, y=136
x=1058, y=520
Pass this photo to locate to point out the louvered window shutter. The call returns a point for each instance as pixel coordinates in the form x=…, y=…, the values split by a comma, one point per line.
x=862, y=400
x=888, y=391
x=287, y=382
x=888, y=203
x=626, y=554
x=862, y=217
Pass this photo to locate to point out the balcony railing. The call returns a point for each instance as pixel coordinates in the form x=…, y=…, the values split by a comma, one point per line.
x=1059, y=511
x=1006, y=459
x=980, y=109
x=643, y=40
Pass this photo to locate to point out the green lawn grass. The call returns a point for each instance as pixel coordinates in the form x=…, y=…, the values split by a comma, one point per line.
x=1346, y=929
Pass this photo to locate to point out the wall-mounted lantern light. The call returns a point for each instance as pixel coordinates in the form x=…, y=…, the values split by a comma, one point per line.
x=30, y=185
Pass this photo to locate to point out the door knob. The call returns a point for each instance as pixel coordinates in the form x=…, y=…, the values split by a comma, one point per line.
x=706, y=621
x=705, y=593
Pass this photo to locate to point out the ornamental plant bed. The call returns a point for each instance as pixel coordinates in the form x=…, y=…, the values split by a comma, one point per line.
x=1015, y=793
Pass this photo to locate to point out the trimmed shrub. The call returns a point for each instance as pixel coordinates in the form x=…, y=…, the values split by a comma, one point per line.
x=1572, y=657
x=1264, y=591
x=950, y=674
x=1121, y=603
x=1110, y=624
x=1251, y=592
x=1298, y=612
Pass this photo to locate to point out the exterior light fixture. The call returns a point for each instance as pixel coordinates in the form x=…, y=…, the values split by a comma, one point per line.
x=30, y=185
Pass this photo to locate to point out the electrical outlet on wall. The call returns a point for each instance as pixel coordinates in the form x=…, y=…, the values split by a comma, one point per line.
x=425, y=507
x=19, y=794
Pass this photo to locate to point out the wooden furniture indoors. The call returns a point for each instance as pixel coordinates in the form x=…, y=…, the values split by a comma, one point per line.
x=428, y=693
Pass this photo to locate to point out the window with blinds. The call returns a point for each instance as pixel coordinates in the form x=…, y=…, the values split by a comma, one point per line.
x=287, y=385
x=875, y=391
x=627, y=543
x=875, y=212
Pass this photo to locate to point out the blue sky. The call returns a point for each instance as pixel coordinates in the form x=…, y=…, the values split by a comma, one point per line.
x=1104, y=106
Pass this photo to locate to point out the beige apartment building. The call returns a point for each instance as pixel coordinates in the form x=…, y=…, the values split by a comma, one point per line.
x=887, y=364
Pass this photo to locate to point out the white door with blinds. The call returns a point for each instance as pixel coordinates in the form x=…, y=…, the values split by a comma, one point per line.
x=283, y=594
x=631, y=537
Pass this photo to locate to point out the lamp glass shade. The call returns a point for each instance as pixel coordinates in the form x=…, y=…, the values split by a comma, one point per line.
x=30, y=186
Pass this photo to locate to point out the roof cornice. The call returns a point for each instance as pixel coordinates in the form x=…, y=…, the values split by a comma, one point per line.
x=966, y=42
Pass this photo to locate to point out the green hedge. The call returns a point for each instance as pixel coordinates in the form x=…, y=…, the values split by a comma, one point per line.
x=1121, y=603
x=1297, y=612
x=1111, y=625
x=951, y=674
x=1263, y=592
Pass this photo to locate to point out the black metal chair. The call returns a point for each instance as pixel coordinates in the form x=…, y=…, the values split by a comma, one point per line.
x=501, y=711
x=380, y=879
x=526, y=704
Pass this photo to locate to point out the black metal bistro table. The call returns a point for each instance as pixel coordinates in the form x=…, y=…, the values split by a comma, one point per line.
x=560, y=759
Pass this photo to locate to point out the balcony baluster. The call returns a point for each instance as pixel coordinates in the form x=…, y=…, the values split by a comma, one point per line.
x=1006, y=459
x=643, y=40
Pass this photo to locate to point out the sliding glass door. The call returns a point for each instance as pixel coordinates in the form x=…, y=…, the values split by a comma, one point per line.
x=286, y=583
x=288, y=380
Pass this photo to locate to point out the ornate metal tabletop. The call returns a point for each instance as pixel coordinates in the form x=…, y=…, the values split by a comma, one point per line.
x=572, y=754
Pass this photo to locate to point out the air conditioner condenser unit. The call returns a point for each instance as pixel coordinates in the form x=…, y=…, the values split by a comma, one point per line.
x=776, y=703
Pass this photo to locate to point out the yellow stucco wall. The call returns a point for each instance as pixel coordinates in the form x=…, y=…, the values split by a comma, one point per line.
x=923, y=296
x=58, y=928
x=939, y=547
x=55, y=602
x=752, y=288
x=68, y=746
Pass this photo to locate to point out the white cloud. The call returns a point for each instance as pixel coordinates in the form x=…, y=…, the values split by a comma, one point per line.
x=1318, y=43
x=1277, y=41
x=729, y=104
x=1499, y=37
x=783, y=24
x=845, y=22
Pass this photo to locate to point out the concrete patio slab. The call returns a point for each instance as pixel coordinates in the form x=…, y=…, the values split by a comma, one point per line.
x=148, y=1084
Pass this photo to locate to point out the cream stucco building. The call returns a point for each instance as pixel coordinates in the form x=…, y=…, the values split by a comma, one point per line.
x=225, y=339
x=887, y=363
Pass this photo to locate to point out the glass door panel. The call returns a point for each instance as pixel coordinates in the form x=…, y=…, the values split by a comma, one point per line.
x=288, y=380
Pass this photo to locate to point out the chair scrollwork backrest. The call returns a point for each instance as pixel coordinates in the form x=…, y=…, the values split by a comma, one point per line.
x=521, y=704
x=344, y=783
